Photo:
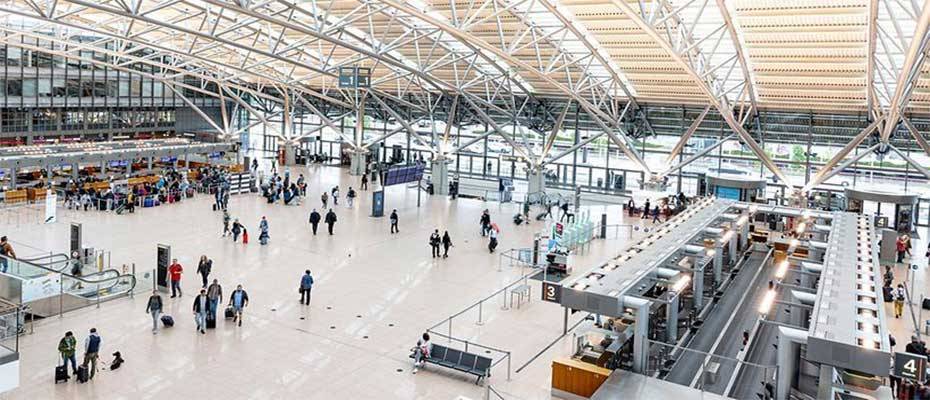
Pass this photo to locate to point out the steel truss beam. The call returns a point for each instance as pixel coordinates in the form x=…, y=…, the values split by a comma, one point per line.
x=822, y=174
x=618, y=136
x=695, y=64
x=909, y=73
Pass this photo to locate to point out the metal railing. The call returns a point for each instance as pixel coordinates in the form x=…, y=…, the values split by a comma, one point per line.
x=505, y=355
x=491, y=394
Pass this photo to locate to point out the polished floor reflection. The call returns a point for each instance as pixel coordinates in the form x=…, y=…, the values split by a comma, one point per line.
x=375, y=293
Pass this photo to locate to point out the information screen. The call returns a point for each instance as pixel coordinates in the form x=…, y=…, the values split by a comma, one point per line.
x=728, y=193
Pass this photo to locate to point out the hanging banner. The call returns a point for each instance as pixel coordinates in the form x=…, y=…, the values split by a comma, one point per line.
x=51, y=202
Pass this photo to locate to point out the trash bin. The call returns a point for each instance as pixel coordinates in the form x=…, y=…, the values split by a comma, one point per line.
x=927, y=327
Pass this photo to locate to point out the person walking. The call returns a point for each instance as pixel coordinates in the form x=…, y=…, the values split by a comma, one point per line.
x=200, y=307
x=306, y=284
x=324, y=198
x=485, y=222
x=492, y=243
x=330, y=220
x=901, y=247
x=263, y=231
x=335, y=193
x=67, y=346
x=154, y=307
x=174, y=272
x=225, y=223
x=7, y=251
x=236, y=230
x=238, y=300
x=645, y=210
x=203, y=268
x=446, y=244
x=434, y=241
x=214, y=295
x=364, y=181
x=314, y=220
x=655, y=214
x=899, y=297
x=393, y=219
x=350, y=196
x=91, y=351
x=245, y=236
x=564, y=208
x=889, y=276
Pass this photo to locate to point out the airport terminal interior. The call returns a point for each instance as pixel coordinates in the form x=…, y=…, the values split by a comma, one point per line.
x=465, y=199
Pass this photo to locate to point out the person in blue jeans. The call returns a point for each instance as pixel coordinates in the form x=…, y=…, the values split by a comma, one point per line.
x=91, y=352
x=306, y=284
x=67, y=346
x=200, y=307
x=7, y=251
x=214, y=294
x=238, y=300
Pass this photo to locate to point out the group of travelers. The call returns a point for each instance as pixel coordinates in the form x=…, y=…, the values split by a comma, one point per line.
x=490, y=230
x=236, y=228
x=316, y=218
x=68, y=348
x=334, y=195
x=282, y=188
x=666, y=206
x=435, y=241
x=205, y=303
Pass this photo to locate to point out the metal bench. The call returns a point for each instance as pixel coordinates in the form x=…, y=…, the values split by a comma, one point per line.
x=458, y=360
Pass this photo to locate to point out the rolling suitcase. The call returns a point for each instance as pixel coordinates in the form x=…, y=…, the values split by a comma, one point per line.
x=82, y=374
x=229, y=313
x=211, y=323
x=61, y=374
x=167, y=321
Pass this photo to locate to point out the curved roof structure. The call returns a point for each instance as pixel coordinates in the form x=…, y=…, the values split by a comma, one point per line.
x=831, y=55
x=502, y=57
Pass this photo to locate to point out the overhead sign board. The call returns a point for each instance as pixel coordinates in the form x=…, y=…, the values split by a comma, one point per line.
x=552, y=292
x=910, y=366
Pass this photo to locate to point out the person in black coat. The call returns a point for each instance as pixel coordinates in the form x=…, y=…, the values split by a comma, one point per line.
x=434, y=241
x=446, y=244
x=330, y=220
x=315, y=220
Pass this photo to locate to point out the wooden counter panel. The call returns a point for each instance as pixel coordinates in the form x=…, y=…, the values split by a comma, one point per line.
x=576, y=377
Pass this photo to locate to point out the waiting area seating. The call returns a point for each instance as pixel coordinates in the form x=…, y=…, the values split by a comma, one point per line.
x=460, y=361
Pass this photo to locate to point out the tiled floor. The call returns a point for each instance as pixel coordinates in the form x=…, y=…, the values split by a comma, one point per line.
x=903, y=328
x=375, y=293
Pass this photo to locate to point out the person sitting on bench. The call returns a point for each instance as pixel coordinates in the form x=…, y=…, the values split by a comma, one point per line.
x=421, y=352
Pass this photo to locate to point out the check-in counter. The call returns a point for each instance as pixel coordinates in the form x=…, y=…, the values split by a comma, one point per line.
x=15, y=196
x=35, y=195
x=576, y=379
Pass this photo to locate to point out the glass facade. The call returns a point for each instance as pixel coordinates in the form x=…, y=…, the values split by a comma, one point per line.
x=44, y=94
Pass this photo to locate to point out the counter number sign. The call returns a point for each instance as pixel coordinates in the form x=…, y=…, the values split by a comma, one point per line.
x=910, y=366
x=552, y=292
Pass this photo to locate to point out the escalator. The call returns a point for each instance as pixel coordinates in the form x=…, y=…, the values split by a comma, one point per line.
x=50, y=288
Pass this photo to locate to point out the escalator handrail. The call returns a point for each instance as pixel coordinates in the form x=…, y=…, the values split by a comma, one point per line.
x=34, y=260
x=83, y=279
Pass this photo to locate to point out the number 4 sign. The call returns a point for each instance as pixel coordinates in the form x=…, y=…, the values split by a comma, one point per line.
x=910, y=366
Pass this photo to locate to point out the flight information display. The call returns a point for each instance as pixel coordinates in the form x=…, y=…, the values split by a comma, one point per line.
x=403, y=174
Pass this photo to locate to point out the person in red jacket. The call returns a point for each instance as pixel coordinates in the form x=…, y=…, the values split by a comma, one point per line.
x=245, y=236
x=174, y=274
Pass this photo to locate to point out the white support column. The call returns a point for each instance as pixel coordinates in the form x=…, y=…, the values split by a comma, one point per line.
x=536, y=181
x=357, y=164
x=640, y=332
x=671, y=318
x=440, y=175
x=290, y=153
x=789, y=350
